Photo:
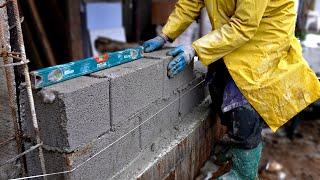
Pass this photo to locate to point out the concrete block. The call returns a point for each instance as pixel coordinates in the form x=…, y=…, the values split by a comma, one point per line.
x=171, y=86
x=133, y=86
x=192, y=96
x=100, y=159
x=10, y=170
x=181, y=153
x=78, y=114
x=52, y=160
x=159, y=117
x=108, y=162
x=164, y=113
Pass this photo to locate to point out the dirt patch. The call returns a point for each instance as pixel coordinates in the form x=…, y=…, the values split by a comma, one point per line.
x=300, y=157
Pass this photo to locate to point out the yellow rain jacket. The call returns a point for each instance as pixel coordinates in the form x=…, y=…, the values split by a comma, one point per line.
x=256, y=40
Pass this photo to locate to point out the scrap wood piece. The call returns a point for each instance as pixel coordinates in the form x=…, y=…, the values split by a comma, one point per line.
x=104, y=45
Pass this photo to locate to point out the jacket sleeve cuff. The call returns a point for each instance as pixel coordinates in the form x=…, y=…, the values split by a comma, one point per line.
x=170, y=35
x=198, y=53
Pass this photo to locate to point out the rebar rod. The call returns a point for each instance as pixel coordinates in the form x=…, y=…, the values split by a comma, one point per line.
x=9, y=75
x=25, y=72
x=5, y=4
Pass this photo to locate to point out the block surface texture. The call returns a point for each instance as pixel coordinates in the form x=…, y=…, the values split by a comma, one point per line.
x=111, y=123
x=77, y=113
x=133, y=86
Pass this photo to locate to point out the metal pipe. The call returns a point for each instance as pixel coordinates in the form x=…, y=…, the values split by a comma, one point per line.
x=25, y=70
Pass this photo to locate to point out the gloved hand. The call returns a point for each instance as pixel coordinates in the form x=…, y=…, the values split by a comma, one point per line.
x=183, y=56
x=155, y=43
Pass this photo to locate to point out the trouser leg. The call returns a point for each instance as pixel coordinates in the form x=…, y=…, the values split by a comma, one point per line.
x=245, y=142
x=245, y=126
x=291, y=126
x=216, y=79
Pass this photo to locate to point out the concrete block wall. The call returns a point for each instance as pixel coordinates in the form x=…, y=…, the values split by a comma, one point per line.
x=90, y=125
x=180, y=157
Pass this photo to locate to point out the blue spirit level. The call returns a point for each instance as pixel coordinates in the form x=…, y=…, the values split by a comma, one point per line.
x=52, y=75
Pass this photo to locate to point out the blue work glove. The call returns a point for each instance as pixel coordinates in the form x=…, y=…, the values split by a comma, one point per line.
x=183, y=56
x=155, y=43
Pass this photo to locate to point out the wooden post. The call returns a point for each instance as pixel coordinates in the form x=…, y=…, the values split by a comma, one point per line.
x=74, y=29
x=128, y=19
x=143, y=19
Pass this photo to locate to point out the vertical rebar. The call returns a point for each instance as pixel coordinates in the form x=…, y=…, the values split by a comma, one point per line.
x=25, y=72
x=11, y=87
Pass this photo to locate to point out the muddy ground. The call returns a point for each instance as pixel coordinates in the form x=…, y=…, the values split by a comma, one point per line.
x=299, y=158
x=286, y=159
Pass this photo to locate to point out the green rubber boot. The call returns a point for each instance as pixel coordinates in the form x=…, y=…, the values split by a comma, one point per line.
x=245, y=164
x=222, y=154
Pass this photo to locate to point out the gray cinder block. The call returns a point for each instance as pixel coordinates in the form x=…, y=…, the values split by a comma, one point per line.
x=100, y=159
x=192, y=96
x=108, y=162
x=181, y=153
x=78, y=114
x=171, y=86
x=133, y=86
x=158, y=117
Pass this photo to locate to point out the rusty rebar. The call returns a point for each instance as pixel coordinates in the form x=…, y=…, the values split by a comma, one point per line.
x=25, y=70
x=13, y=55
x=5, y=4
x=11, y=87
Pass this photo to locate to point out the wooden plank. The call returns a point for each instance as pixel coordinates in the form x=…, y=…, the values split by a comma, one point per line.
x=74, y=28
x=137, y=19
x=143, y=19
x=161, y=11
x=128, y=19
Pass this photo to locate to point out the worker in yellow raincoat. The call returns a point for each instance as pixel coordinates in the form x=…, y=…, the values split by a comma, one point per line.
x=266, y=76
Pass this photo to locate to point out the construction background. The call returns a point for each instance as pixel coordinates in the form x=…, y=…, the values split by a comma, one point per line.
x=130, y=121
